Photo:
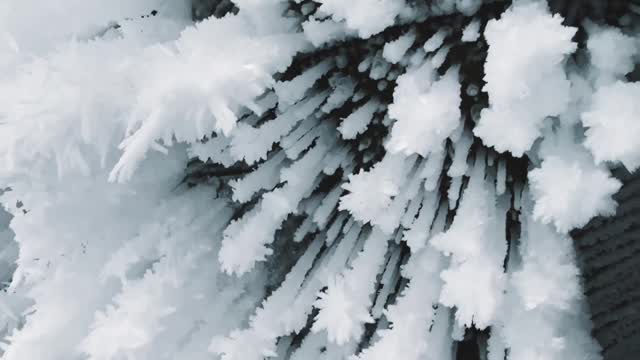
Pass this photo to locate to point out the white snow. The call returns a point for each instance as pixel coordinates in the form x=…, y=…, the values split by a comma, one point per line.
x=426, y=110
x=395, y=50
x=524, y=76
x=367, y=17
x=357, y=122
x=612, y=124
x=325, y=31
x=435, y=41
x=569, y=188
x=612, y=52
x=172, y=189
x=471, y=32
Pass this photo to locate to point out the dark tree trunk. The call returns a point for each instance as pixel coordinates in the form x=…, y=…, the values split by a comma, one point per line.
x=609, y=253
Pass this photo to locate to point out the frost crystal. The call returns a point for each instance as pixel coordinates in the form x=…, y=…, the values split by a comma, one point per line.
x=307, y=179
x=524, y=76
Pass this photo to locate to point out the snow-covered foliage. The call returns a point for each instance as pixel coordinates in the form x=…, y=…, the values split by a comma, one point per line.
x=306, y=179
x=524, y=76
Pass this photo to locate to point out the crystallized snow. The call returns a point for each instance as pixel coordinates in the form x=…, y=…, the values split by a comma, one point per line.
x=246, y=239
x=544, y=280
x=524, y=76
x=426, y=110
x=367, y=17
x=371, y=192
x=611, y=51
x=612, y=124
x=468, y=7
x=343, y=88
x=549, y=274
x=90, y=19
x=268, y=201
x=412, y=316
x=569, y=193
x=254, y=343
x=471, y=32
x=155, y=118
x=321, y=32
x=418, y=232
x=394, y=51
x=266, y=177
x=569, y=188
x=435, y=41
x=344, y=306
x=252, y=144
x=393, y=183
x=292, y=91
x=357, y=122
x=476, y=243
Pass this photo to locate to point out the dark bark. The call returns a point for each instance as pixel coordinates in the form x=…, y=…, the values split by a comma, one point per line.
x=608, y=250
